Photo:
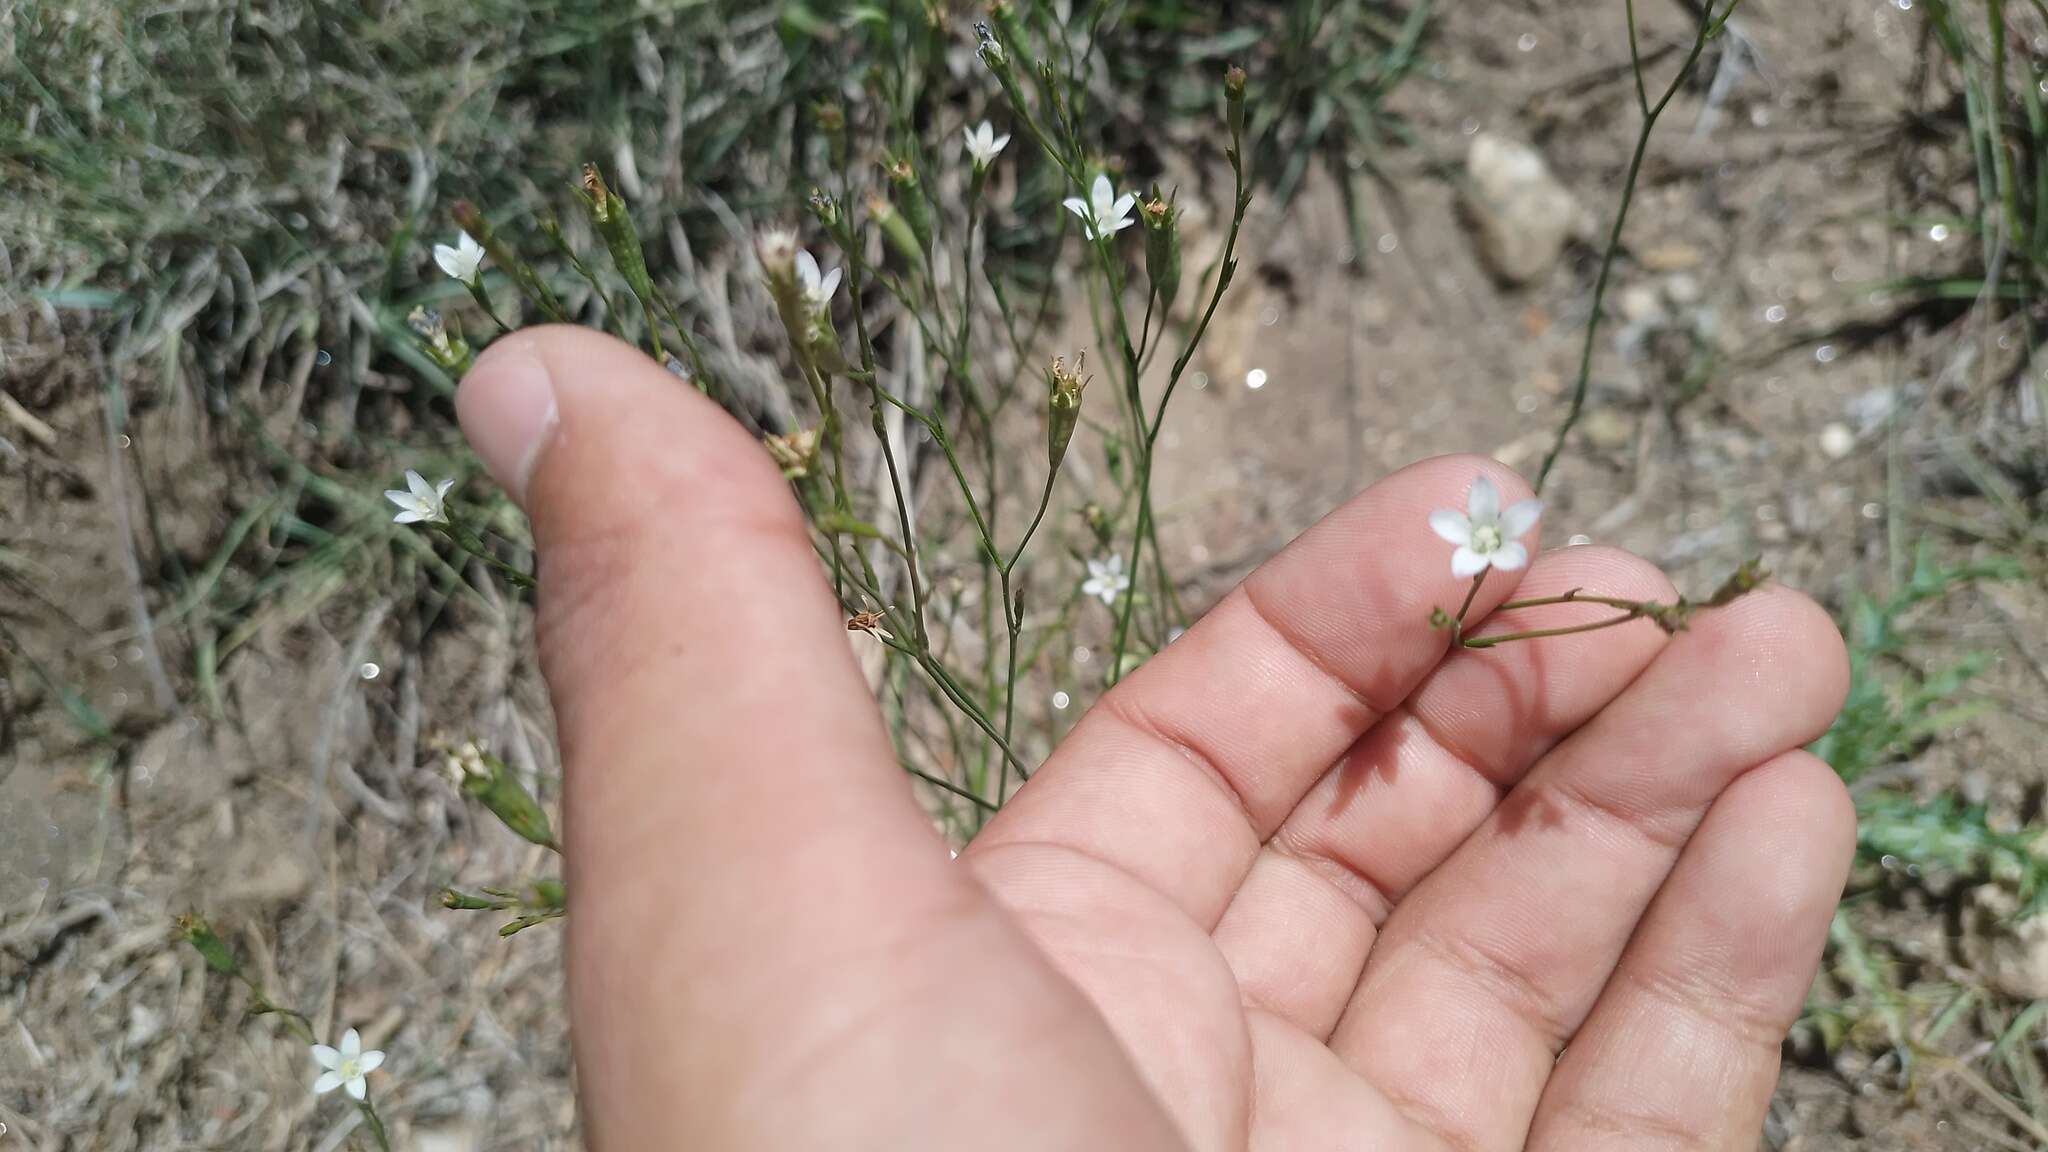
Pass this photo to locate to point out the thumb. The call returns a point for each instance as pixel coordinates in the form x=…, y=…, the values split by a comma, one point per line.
x=732, y=802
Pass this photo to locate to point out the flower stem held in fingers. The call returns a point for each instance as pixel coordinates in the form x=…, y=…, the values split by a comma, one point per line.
x=1488, y=536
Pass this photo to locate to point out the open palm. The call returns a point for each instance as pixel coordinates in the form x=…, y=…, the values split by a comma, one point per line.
x=1301, y=881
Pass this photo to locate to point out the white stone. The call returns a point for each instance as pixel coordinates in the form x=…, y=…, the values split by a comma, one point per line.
x=1521, y=212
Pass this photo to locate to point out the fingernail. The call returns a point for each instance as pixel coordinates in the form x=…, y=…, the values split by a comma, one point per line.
x=507, y=408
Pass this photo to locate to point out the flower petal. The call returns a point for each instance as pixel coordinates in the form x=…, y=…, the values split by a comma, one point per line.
x=807, y=269
x=828, y=284
x=327, y=1082
x=418, y=484
x=402, y=499
x=1510, y=557
x=1453, y=526
x=469, y=247
x=325, y=1057
x=351, y=1044
x=449, y=260
x=973, y=141
x=1078, y=207
x=1517, y=518
x=357, y=1088
x=410, y=516
x=370, y=1061
x=1120, y=225
x=999, y=143
x=1123, y=206
x=1103, y=194
x=1483, y=505
x=1465, y=562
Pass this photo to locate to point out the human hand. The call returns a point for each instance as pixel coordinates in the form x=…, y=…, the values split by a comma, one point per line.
x=1300, y=881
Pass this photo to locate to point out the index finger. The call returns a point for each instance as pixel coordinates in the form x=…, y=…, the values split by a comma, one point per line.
x=1180, y=772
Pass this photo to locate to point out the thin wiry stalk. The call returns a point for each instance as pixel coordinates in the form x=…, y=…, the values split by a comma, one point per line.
x=1708, y=25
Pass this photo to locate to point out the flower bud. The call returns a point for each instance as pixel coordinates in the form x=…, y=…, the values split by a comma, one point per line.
x=1233, y=101
x=488, y=779
x=776, y=249
x=457, y=900
x=602, y=201
x=794, y=452
x=990, y=49
x=200, y=935
x=1162, y=247
x=1063, y=405
x=621, y=239
x=1099, y=524
x=547, y=893
x=894, y=228
x=450, y=353
x=914, y=210
x=825, y=208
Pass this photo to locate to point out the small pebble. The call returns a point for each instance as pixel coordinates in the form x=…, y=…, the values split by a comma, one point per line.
x=1836, y=441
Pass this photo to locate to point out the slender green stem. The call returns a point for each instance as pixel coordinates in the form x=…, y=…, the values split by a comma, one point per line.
x=475, y=284
x=1013, y=619
x=1471, y=594
x=561, y=245
x=1539, y=633
x=920, y=652
x=945, y=443
x=470, y=542
x=376, y=1124
x=1149, y=432
x=961, y=700
x=1641, y=607
x=945, y=785
x=1707, y=27
x=1038, y=517
x=909, y=537
x=1635, y=58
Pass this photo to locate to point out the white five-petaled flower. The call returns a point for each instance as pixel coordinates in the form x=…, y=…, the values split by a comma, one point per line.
x=461, y=261
x=345, y=1066
x=425, y=502
x=1106, y=579
x=1487, y=535
x=983, y=144
x=818, y=287
x=1104, y=213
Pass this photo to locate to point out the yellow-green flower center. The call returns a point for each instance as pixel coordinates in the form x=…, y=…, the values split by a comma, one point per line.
x=1486, y=538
